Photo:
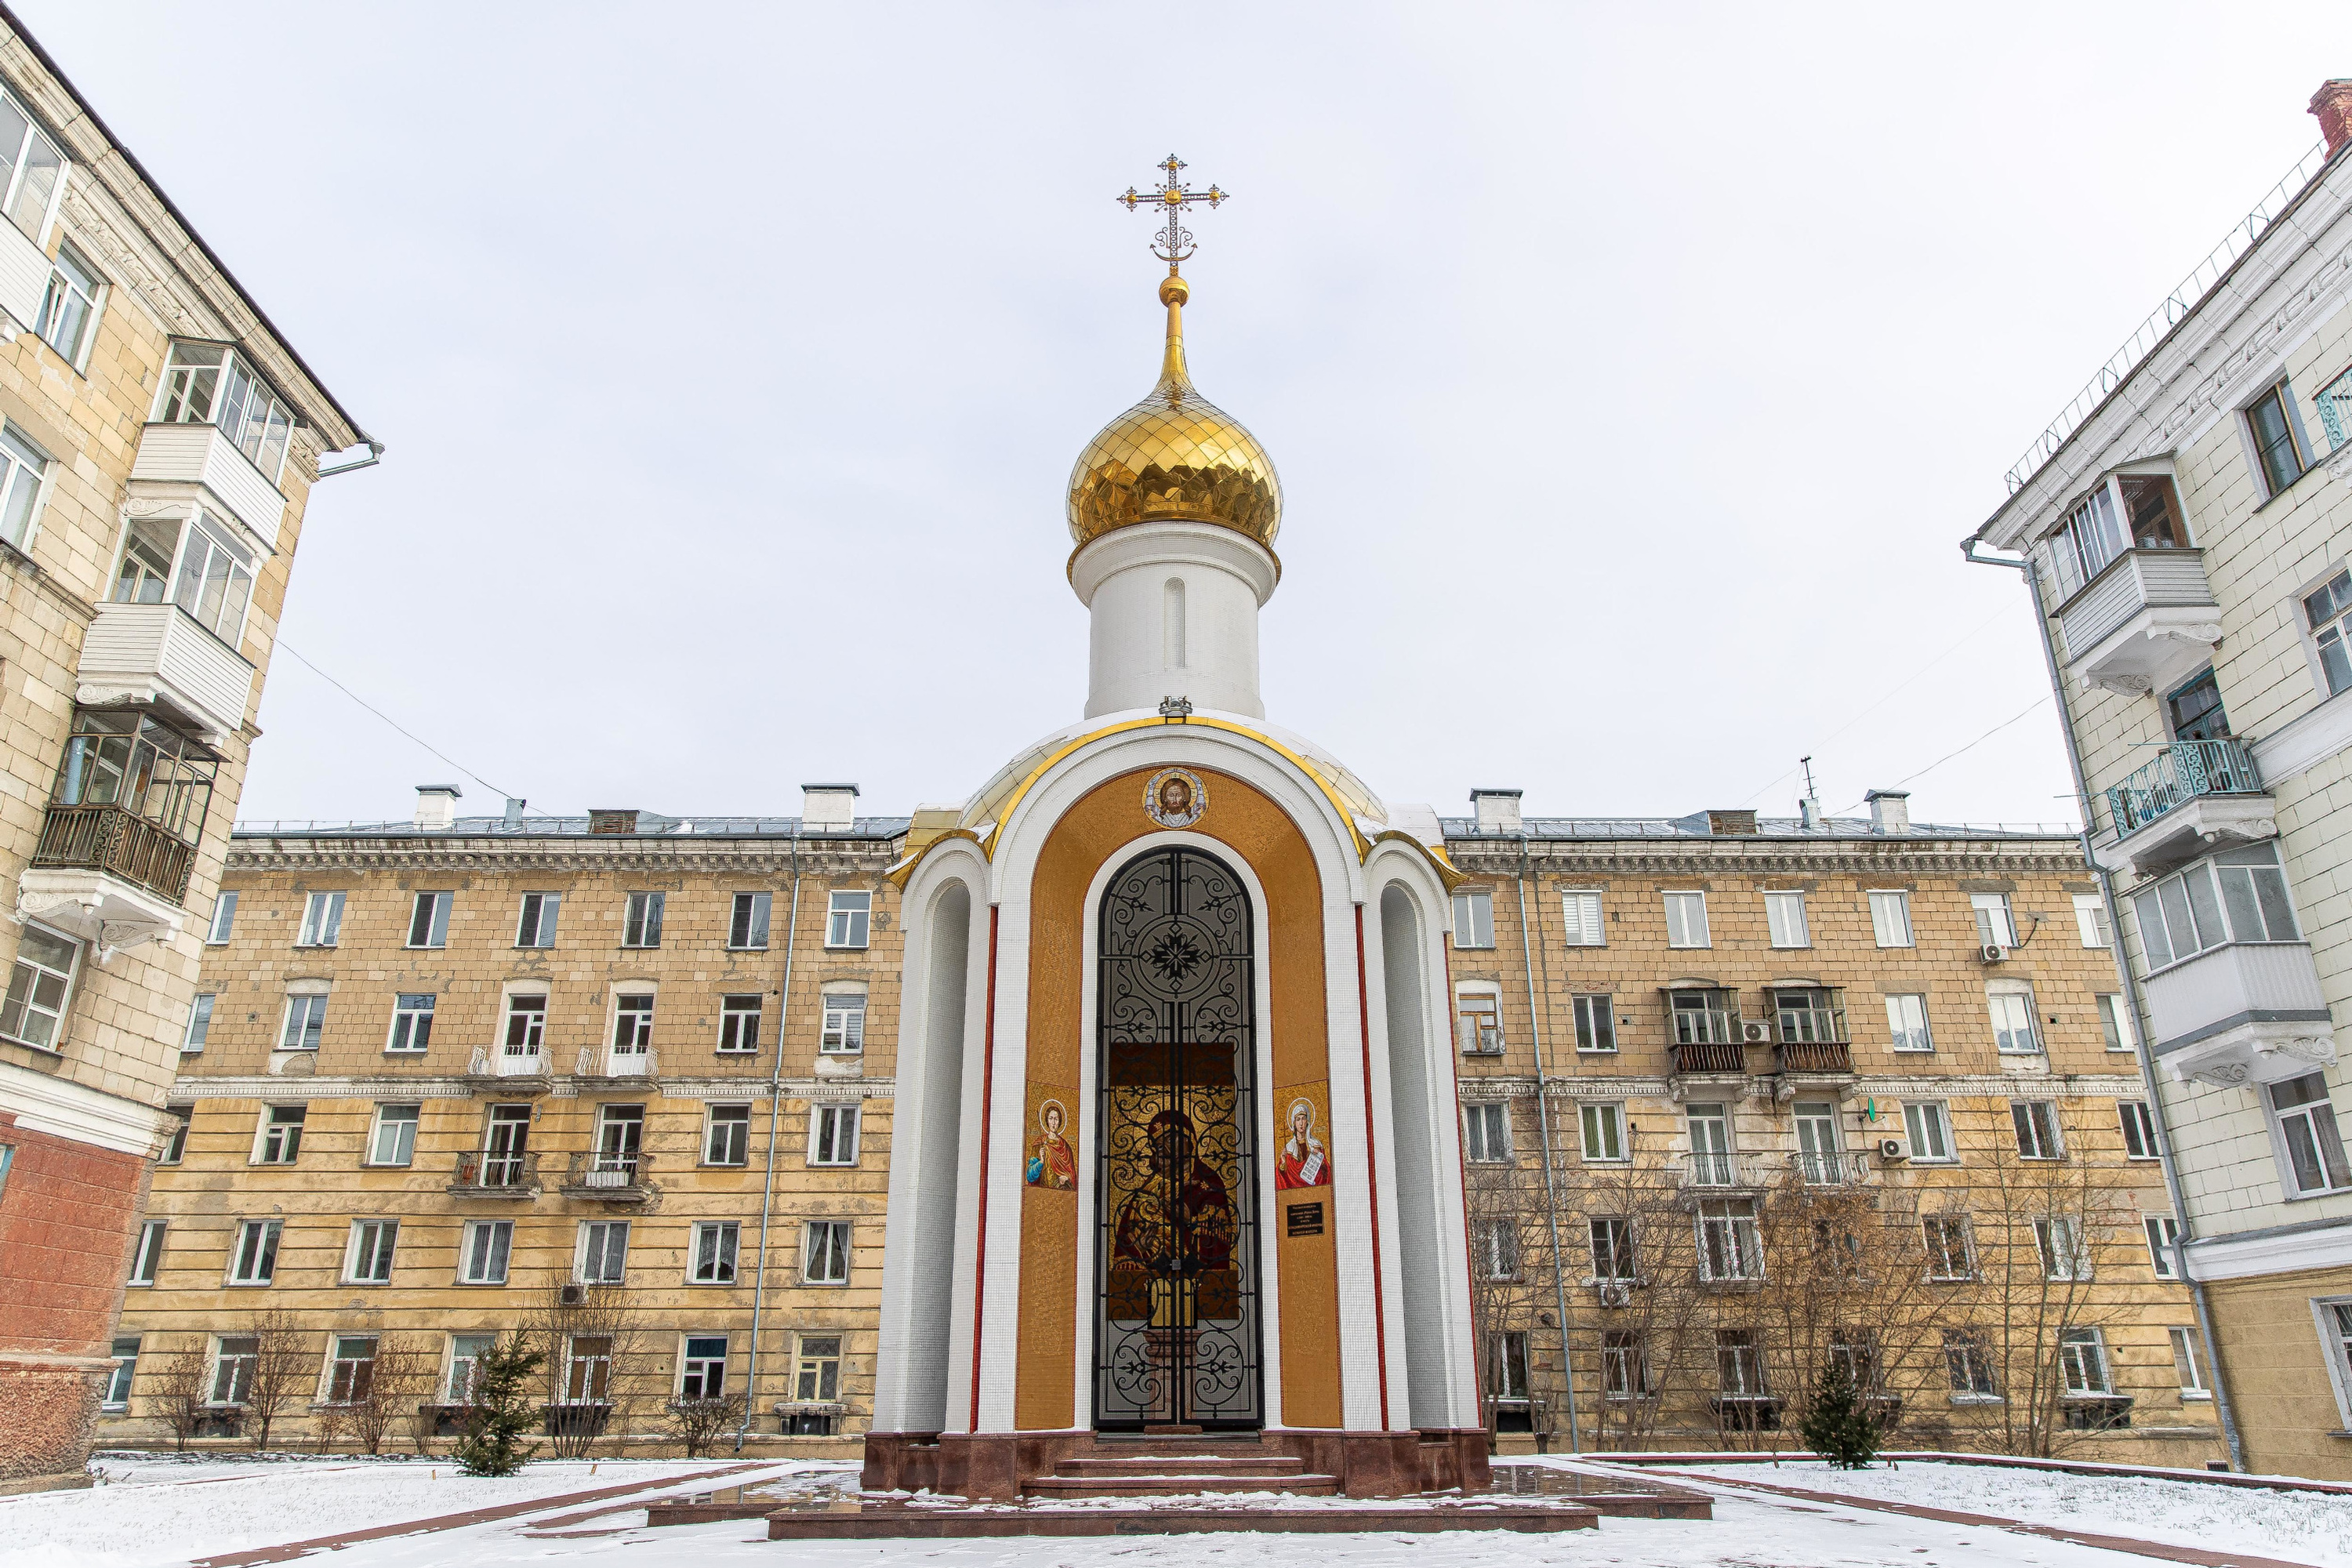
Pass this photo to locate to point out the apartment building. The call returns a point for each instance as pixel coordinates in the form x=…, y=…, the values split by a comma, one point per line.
x=622, y=1081
x=158, y=442
x=1745, y=1096
x=2185, y=527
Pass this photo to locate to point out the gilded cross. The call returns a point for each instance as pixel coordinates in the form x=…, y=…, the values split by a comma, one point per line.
x=1173, y=243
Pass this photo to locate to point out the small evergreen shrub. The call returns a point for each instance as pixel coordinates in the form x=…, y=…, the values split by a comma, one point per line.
x=1842, y=1426
x=502, y=1409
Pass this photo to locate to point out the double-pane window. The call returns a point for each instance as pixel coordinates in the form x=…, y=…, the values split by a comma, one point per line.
x=149, y=1258
x=1506, y=1373
x=1728, y=1248
x=632, y=1025
x=1582, y=914
x=206, y=384
x=587, y=1369
x=306, y=1020
x=2239, y=895
x=641, y=922
x=2276, y=451
x=2306, y=1127
x=39, y=987
x=2115, y=1023
x=2139, y=1129
x=21, y=468
x=1930, y=1130
x=412, y=1021
x=1497, y=1244
x=846, y=917
x=428, y=921
x=198, y=563
x=224, y=921
x=1950, y=1254
x=726, y=1136
x=1625, y=1368
x=2163, y=1233
x=844, y=1024
x=1996, y=926
x=2036, y=1122
x=1474, y=918
x=368, y=1260
x=526, y=1026
x=200, y=1023
x=2329, y=612
x=125, y=1353
x=714, y=1252
x=2012, y=1022
x=1890, y=918
x=748, y=925
x=395, y=1135
x=255, y=1261
x=1611, y=1241
x=70, y=305
x=2091, y=920
x=824, y=1252
x=536, y=925
x=2083, y=1361
x=704, y=1373
x=482, y=1260
x=1811, y=1016
x=232, y=1363
x=739, y=1022
x=2065, y=1253
x=34, y=169
x=281, y=1136
x=833, y=1135
x=1969, y=1366
x=816, y=1370
x=1784, y=917
x=352, y=1374
x=322, y=921
x=465, y=1353
x=1487, y=1131
x=1604, y=1131
x=1596, y=1023
x=603, y=1253
x=1906, y=1022
x=2186, y=1364
x=175, y=1137
x=1687, y=920
x=1478, y=1022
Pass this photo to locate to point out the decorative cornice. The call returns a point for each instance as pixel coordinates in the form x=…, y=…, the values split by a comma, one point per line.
x=1772, y=858
x=274, y=1090
x=557, y=856
x=1763, y=1085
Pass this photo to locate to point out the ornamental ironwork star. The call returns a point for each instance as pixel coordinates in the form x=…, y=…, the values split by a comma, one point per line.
x=1174, y=957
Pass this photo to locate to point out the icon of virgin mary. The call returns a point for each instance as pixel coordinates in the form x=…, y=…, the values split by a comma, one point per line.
x=1051, y=1163
x=1302, y=1162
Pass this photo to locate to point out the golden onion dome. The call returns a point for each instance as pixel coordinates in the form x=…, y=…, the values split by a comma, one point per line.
x=1174, y=458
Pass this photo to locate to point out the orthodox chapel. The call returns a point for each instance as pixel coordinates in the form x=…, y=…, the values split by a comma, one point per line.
x=1176, y=1153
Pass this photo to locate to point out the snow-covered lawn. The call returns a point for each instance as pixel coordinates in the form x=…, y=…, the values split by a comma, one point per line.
x=2301, y=1527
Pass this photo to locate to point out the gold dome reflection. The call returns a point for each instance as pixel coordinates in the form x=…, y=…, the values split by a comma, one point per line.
x=1174, y=457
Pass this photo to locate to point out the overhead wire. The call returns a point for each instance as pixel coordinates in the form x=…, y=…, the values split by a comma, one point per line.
x=288, y=647
x=2040, y=701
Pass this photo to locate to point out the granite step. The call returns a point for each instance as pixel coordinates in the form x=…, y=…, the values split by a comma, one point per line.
x=1267, y=1465
x=1177, y=1483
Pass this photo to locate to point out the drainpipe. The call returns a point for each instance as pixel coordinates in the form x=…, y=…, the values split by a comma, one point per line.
x=376, y=455
x=2187, y=1232
x=1543, y=1123
x=775, y=1118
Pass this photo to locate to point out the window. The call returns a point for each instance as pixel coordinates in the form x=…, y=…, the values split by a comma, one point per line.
x=703, y=1367
x=206, y=384
x=123, y=758
x=1811, y=1015
x=322, y=921
x=149, y=1255
x=428, y=921
x=833, y=1135
x=1784, y=917
x=1498, y=1248
x=1506, y=1354
x=1738, y=1373
x=2329, y=613
x=125, y=1353
x=2115, y=1023
x=632, y=1024
x=1969, y=1367
x=352, y=1373
x=1474, y=918
x=412, y=1021
x=175, y=1137
x=1611, y=1238
x=1604, y=1131
x=368, y=1258
x=603, y=1252
x=526, y=1026
x=2065, y=1254
x=1487, y=1131
x=505, y=1139
x=1687, y=920
x=824, y=1252
x=280, y=1137
x=224, y=921
x=1951, y=1254
x=536, y=927
x=2163, y=1232
x=20, y=487
x=2306, y=1128
x=587, y=1369
x=1479, y=1021
x=1996, y=927
x=1821, y=1148
x=200, y=1023
x=1728, y=1244
x=749, y=925
x=1596, y=1023
x=306, y=1020
x=726, y=1135
x=2335, y=1333
x=395, y=1142
x=484, y=1260
x=254, y=1261
x=2195, y=711
x=2083, y=1360
x=2036, y=1121
x=641, y=925
x=739, y=1022
x=34, y=169
x=2186, y=1365
x=714, y=1252
x=1624, y=1369
x=2139, y=1129
x=817, y=1372
x=844, y=1024
x=846, y=918
x=1705, y=1017
x=41, y=985
x=233, y=1362
x=466, y=1352
x=2239, y=895
x=2272, y=425
x=1582, y=916
x=1906, y=1022
x=1710, y=1145
x=2013, y=1033
x=1890, y=918
x=1930, y=1130
x=2091, y=920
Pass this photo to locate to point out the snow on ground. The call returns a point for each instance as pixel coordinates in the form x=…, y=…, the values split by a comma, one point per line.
x=2301, y=1527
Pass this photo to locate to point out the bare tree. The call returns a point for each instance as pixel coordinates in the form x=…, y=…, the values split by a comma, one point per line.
x=1632, y=1257
x=402, y=1371
x=701, y=1424
x=285, y=1371
x=176, y=1390
x=590, y=1336
x=1510, y=1278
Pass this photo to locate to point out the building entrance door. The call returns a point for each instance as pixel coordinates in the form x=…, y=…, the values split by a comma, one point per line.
x=1176, y=1321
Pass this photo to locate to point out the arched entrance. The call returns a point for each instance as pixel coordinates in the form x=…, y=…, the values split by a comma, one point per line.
x=1176, y=1314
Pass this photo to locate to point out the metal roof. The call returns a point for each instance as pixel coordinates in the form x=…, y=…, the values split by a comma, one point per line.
x=649, y=827
x=1777, y=827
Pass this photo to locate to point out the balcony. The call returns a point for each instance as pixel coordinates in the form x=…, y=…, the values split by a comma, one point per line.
x=597, y=1061
x=607, y=1177
x=496, y=1173
x=1710, y=1059
x=175, y=462
x=2241, y=1013
x=158, y=656
x=498, y=1062
x=2193, y=797
x=107, y=875
x=1722, y=1171
x=1824, y=1169
x=1816, y=1058
x=2145, y=621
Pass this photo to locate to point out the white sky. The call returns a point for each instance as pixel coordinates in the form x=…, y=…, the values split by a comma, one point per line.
x=1631, y=372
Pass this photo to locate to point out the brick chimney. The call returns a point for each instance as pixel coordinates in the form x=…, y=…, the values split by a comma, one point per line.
x=1890, y=810
x=2333, y=104
x=1497, y=810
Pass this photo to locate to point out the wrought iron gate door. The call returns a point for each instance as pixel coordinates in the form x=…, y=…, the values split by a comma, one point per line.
x=1176, y=1326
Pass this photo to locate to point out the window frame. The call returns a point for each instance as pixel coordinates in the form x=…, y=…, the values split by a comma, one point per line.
x=696, y=1367
x=221, y=925
x=839, y=1245
x=460, y=1356
x=1735, y=1225
x=1477, y=1145
x=2115, y=1021
x=123, y=1375
x=322, y=920
x=237, y=1366
x=1936, y=1114
x=712, y=1122
x=1899, y=1034
x=1594, y=1013
x=1498, y=1248
x=1968, y=1372
x=1608, y=1117
x=2175, y=897
x=2091, y=924
x=1778, y=903
x=26, y=477
x=538, y=918
x=1897, y=901
x=200, y=1023
x=748, y=921
x=2096, y=1374
x=304, y=1026
x=732, y=1025
x=176, y=1141
x=2062, y=1244
x=2321, y=1116
x=375, y=1240
x=2332, y=1316
x=412, y=1012
x=604, y=1243
x=481, y=1242
x=1678, y=903
x=2041, y=1133
x=2188, y=1363
x=846, y=1036
x=641, y=920
x=816, y=1359
x=1614, y=1235
x=1584, y=916
x=1479, y=1018
x=23, y=1004
x=19, y=166
x=431, y=909
x=721, y=1240
x=848, y=920
x=1996, y=919
x=1473, y=919
x=385, y=1117
x=276, y=1138
x=2280, y=393
x=2014, y=995
x=147, y=1255
x=2137, y=1119
x=252, y=1255
x=2162, y=1232
x=1949, y=1224
x=831, y=1124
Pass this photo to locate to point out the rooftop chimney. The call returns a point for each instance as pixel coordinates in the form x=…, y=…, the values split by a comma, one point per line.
x=437, y=807
x=828, y=807
x=1739, y=821
x=608, y=821
x=1809, y=814
x=2333, y=104
x=514, y=811
x=1497, y=809
x=1890, y=810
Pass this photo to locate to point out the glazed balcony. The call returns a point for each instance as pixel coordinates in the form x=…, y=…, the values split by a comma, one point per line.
x=496, y=1173
x=158, y=654
x=175, y=459
x=2248, y=1012
x=2191, y=796
x=611, y=1177
x=2146, y=620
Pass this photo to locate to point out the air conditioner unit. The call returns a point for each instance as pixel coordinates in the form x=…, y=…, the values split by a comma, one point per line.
x=1616, y=1293
x=1756, y=1032
x=1891, y=1149
x=1992, y=953
x=572, y=1295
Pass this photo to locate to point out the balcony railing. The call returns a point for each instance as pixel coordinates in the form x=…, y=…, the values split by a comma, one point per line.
x=496, y=1172
x=1820, y=1169
x=597, y=1061
x=1710, y=1057
x=496, y=1061
x=110, y=839
x=2178, y=775
x=609, y=1175
x=1816, y=1055
x=1717, y=1168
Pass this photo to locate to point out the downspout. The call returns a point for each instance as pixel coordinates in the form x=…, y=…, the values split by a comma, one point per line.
x=776, y=1120
x=376, y=455
x=2024, y=566
x=1543, y=1124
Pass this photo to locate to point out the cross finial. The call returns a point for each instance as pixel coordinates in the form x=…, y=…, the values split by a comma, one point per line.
x=1173, y=243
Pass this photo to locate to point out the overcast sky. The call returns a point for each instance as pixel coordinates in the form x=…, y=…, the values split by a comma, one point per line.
x=1631, y=372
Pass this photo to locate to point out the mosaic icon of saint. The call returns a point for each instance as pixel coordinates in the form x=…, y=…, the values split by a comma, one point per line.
x=1180, y=1220
x=1303, y=1162
x=1051, y=1162
x=1175, y=795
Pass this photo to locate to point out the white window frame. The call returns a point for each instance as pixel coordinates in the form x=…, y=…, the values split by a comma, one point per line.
x=844, y=1019
x=431, y=910
x=2116, y=1021
x=1924, y=1117
x=1480, y=1120
x=200, y=1023
x=2328, y=633
x=736, y=1020
x=1595, y=1016
x=1890, y=918
x=1583, y=917
x=1603, y=1233
x=1974, y=1359
x=387, y=1116
x=604, y=1244
x=836, y=1246
x=632, y=1032
x=816, y=1368
x=147, y=1258
x=123, y=1374
x=747, y=928
x=176, y=1141
x=1499, y=1247
x=322, y=921
x=2039, y=1133
x=1474, y=918
x=305, y=1023
x=1784, y=919
x=1996, y=920
x=239, y=1367
x=269, y=1121
x=1901, y=1031
x=253, y=1254
x=2063, y=1248
x=712, y=1122
x=2015, y=999
x=2136, y=1118
x=2172, y=899
x=1479, y=1018
x=2091, y=920
x=641, y=920
x=1601, y=1127
x=2327, y=1135
x=412, y=1023
x=2336, y=1342
x=1731, y=1222
x=536, y=924
x=486, y=1252
x=24, y=995
x=527, y=1001
x=26, y=477
x=222, y=925
x=1681, y=903
x=834, y=1135
x=848, y=919
x=715, y=1243
x=2162, y=1232
x=2091, y=1379
x=698, y=1367
x=2188, y=1363
x=460, y=1357
x=375, y=1241
x=1946, y=1221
